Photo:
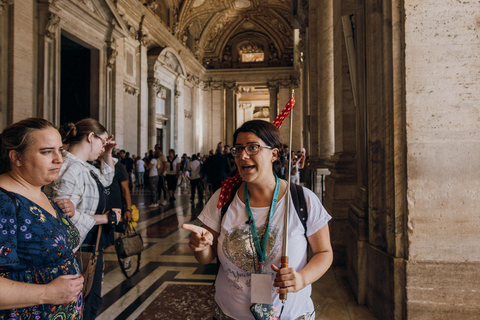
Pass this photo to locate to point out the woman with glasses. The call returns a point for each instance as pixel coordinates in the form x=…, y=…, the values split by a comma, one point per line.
x=84, y=185
x=247, y=240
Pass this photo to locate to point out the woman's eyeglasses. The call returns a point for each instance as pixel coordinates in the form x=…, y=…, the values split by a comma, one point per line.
x=104, y=142
x=251, y=149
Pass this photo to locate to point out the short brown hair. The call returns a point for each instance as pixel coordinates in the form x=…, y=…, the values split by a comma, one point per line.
x=17, y=137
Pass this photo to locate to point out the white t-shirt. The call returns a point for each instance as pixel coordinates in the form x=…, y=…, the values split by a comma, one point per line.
x=175, y=162
x=236, y=253
x=140, y=166
x=161, y=162
x=153, y=168
x=195, y=167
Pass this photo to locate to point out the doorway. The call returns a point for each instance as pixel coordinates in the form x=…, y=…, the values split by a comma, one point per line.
x=160, y=139
x=74, y=81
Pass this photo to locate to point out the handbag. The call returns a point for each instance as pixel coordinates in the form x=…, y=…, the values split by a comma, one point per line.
x=129, y=244
x=88, y=263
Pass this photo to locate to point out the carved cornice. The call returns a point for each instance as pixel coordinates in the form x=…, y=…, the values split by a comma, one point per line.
x=53, y=21
x=285, y=83
x=130, y=89
x=214, y=85
x=4, y=4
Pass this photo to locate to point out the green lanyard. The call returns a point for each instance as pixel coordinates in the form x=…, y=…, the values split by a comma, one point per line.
x=261, y=248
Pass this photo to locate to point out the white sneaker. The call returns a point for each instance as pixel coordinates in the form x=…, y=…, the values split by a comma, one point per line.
x=164, y=203
x=153, y=205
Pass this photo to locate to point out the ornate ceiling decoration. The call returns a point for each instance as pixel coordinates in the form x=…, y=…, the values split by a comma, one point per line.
x=218, y=32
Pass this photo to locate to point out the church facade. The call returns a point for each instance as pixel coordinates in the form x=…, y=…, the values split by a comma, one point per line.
x=387, y=108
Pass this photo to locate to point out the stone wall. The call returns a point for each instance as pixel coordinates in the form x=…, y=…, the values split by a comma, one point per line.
x=443, y=134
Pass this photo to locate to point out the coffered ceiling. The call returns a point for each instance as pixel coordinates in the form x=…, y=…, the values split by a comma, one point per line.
x=231, y=33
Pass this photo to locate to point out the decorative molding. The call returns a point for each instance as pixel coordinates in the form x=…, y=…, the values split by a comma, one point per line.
x=143, y=37
x=178, y=93
x=272, y=85
x=188, y=114
x=229, y=85
x=162, y=93
x=111, y=54
x=4, y=4
x=285, y=83
x=194, y=80
x=213, y=85
x=53, y=21
x=131, y=89
x=295, y=81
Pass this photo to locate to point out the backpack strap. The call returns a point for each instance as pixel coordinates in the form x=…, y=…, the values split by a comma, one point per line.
x=300, y=204
x=226, y=205
x=12, y=197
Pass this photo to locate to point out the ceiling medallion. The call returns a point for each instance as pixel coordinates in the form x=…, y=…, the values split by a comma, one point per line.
x=198, y=3
x=248, y=25
x=243, y=4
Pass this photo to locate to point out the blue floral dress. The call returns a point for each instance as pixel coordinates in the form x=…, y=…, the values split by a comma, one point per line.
x=36, y=247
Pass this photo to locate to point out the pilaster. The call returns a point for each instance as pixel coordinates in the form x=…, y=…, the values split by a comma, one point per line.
x=48, y=105
x=22, y=61
x=273, y=92
x=230, y=111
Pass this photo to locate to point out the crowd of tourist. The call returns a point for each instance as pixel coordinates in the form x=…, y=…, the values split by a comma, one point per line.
x=202, y=175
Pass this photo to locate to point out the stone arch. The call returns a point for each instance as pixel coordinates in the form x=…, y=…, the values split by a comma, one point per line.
x=167, y=58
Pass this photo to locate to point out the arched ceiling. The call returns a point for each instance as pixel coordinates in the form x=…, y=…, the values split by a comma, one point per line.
x=231, y=33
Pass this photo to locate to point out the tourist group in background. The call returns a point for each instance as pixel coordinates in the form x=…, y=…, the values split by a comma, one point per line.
x=52, y=180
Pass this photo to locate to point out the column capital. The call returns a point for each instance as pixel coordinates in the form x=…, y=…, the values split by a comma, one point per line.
x=4, y=4
x=231, y=85
x=272, y=85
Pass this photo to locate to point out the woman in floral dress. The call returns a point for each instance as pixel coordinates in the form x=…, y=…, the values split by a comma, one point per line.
x=39, y=275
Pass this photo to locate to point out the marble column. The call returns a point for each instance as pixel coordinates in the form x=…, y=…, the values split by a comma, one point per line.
x=143, y=120
x=217, y=105
x=154, y=89
x=5, y=113
x=357, y=232
x=179, y=115
x=273, y=91
x=230, y=111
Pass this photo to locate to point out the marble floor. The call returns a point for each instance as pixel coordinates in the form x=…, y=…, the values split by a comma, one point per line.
x=172, y=285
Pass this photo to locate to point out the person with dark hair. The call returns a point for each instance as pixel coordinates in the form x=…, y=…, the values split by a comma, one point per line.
x=217, y=168
x=129, y=164
x=84, y=185
x=162, y=168
x=247, y=237
x=172, y=172
x=195, y=179
x=39, y=275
